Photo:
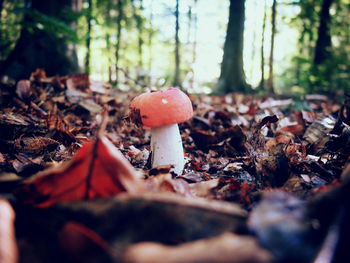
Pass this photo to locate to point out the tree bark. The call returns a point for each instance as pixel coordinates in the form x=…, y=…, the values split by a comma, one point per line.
x=108, y=41
x=262, y=63
x=270, y=85
x=119, y=32
x=194, y=46
x=177, y=82
x=150, y=49
x=88, y=37
x=323, y=44
x=139, y=26
x=232, y=76
x=140, y=39
x=41, y=49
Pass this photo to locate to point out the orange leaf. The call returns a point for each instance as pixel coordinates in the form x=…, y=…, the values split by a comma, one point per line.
x=97, y=170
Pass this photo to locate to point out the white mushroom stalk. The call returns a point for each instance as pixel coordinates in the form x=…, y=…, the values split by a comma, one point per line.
x=162, y=111
x=166, y=147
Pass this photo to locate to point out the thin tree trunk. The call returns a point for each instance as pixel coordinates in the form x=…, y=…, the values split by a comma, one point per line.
x=262, y=63
x=301, y=51
x=139, y=26
x=323, y=44
x=270, y=85
x=119, y=31
x=108, y=46
x=140, y=39
x=108, y=42
x=194, y=46
x=177, y=82
x=189, y=24
x=88, y=38
x=150, y=38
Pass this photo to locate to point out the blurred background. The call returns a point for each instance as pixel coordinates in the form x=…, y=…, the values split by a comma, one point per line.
x=203, y=46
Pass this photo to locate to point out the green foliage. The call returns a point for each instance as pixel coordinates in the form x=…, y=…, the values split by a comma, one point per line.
x=9, y=26
x=52, y=25
x=147, y=54
x=12, y=23
x=333, y=74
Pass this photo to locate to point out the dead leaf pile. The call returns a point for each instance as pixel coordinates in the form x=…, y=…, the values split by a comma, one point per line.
x=262, y=179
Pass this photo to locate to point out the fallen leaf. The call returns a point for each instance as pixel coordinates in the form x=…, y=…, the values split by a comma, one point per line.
x=203, y=189
x=204, y=139
x=267, y=121
x=58, y=129
x=38, y=75
x=78, y=81
x=83, y=244
x=84, y=100
x=35, y=145
x=23, y=89
x=165, y=183
x=227, y=247
x=97, y=170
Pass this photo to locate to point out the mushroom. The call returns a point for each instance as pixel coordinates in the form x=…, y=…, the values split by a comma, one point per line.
x=161, y=111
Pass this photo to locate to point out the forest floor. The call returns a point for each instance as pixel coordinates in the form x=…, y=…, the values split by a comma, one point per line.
x=265, y=178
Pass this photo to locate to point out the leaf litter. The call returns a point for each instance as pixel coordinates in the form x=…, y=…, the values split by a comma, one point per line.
x=70, y=154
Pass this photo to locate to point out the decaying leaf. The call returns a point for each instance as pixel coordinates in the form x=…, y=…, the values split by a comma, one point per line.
x=23, y=89
x=227, y=247
x=84, y=100
x=58, y=129
x=165, y=183
x=97, y=170
x=317, y=134
x=132, y=217
x=35, y=145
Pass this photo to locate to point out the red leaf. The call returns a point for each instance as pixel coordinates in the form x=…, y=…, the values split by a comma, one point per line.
x=97, y=170
x=83, y=244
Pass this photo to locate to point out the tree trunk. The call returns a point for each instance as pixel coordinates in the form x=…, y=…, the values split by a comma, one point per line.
x=194, y=46
x=88, y=37
x=139, y=26
x=108, y=47
x=323, y=44
x=270, y=85
x=150, y=50
x=40, y=48
x=262, y=63
x=189, y=24
x=108, y=41
x=177, y=82
x=119, y=32
x=232, y=74
x=140, y=39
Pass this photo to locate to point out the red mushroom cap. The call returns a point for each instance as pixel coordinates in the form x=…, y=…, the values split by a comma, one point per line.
x=161, y=108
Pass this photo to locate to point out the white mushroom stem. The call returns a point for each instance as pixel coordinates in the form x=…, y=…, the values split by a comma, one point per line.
x=166, y=147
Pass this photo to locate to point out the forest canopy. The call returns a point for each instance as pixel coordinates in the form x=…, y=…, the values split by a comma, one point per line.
x=286, y=47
